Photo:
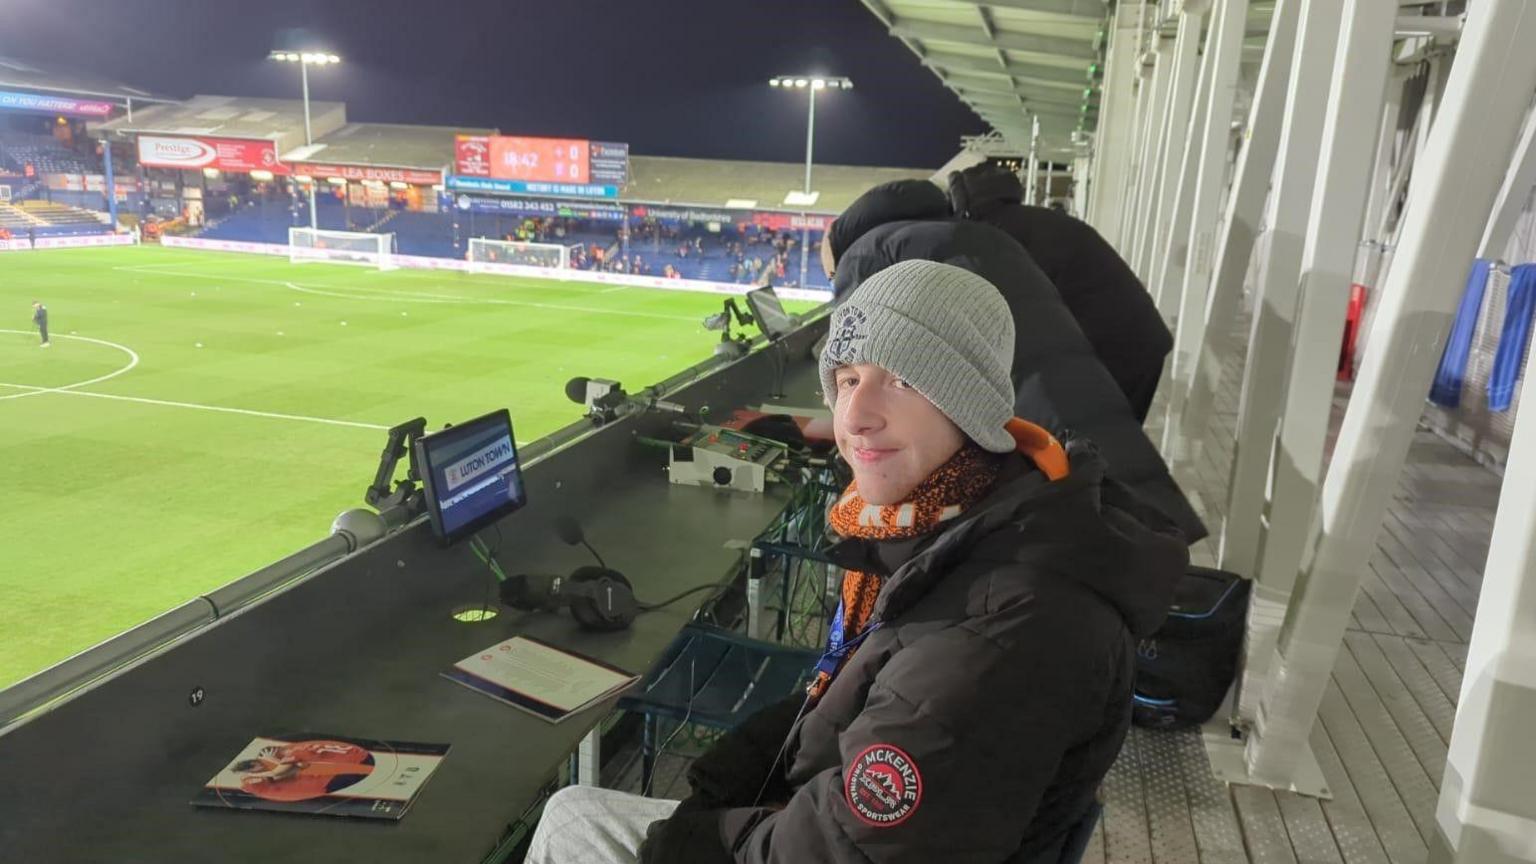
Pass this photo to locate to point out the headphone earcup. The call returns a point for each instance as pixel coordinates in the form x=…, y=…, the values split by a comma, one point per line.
x=585, y=610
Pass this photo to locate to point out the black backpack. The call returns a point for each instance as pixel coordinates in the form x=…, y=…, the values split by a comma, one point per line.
x=1184, y=669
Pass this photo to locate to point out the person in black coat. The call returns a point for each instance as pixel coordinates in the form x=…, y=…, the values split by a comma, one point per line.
x=40, y=320
x=1114, y=309
x=1060, y=382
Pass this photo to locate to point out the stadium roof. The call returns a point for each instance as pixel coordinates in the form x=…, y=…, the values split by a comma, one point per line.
x=394, y=145
x=279, y=120
x=1010, y=60
x=28, y=76
x=1013, y=60
x=721, y=182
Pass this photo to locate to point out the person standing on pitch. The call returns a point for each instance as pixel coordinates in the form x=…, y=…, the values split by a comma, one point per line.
x=40, y=318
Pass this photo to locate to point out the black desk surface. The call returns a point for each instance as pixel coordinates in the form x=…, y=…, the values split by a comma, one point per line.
x=356, y=651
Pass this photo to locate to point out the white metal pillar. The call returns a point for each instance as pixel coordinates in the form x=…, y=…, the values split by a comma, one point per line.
x=1386, y=151
x=1190, y=72
x=1453, y=190
x=1235, y=241
x=1513, y=195
x=1360, y=68
x=1117, y=119
x=1155, y=133
x=1171, y=119
x=1487, y=808
x=1274, y=304
x=1082, y=174
x=1146, y=76
x=1185, y=269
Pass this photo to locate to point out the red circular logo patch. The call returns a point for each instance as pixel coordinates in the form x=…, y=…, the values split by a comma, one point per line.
x=884, y=786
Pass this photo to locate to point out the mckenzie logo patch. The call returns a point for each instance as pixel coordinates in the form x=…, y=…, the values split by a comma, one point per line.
x=884, y=786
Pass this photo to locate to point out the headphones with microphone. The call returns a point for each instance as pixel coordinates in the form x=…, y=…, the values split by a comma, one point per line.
x=600, y=598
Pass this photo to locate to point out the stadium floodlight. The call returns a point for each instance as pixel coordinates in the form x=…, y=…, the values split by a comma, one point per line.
x=305, y=59
x=814, y=83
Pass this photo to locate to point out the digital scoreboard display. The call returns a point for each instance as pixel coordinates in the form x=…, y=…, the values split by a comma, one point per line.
x=541, y=160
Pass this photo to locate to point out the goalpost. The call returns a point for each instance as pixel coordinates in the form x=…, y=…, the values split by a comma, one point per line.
x=483, y=251
x=341, y=247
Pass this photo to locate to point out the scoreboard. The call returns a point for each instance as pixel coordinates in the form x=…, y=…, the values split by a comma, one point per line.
x=541, y=160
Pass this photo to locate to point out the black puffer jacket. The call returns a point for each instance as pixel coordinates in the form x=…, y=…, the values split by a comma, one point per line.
x=1059, y=380
x=1114, y=309
x=975, y=723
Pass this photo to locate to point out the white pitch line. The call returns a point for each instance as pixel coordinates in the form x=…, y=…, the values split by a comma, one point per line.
x=613, y=289
x=133, y=360
x=369, y=295
x=193, y=405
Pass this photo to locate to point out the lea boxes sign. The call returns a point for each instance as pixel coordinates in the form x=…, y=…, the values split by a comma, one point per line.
x=226, y=154
x=414, y=176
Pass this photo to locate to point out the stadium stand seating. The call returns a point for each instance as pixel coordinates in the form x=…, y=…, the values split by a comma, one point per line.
x=432, y=235
x=46, y=156
x=426, y=234
x=264, y=221
x=42, y=218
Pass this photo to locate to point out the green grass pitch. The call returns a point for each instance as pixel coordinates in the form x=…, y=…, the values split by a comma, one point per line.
x=200, y=415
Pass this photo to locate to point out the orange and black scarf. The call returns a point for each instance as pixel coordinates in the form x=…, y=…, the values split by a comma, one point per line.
x=952, y=489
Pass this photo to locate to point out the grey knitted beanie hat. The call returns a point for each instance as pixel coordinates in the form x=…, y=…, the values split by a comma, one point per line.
x=944, y=330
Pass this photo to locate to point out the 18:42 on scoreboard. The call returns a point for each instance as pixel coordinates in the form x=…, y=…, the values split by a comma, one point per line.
x=541, y=160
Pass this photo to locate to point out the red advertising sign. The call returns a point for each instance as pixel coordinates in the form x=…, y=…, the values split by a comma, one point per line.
x=413, y=176
x=519, y=157
x=226, y=154
x=791, y=221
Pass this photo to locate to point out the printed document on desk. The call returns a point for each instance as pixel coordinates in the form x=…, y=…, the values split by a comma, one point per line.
x=543, y=680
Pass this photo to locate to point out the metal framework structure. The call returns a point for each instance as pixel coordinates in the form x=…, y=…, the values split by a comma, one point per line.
x=1388, y=142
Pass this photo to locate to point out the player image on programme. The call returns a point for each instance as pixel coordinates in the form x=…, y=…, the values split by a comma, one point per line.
x=325, y=774
x=303, y=770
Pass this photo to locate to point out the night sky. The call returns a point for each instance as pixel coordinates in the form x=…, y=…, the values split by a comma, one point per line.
x=671, y=77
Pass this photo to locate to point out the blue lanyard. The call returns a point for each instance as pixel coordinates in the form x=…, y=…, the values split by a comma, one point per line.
x=836, y=649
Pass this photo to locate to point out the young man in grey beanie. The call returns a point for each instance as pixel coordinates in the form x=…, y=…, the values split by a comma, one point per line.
x=977, y=681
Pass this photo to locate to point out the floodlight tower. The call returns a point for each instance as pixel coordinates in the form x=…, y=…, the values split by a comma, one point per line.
x=305, y=59
x=810, y=84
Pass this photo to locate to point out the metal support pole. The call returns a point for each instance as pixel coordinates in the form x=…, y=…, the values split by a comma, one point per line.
x=1235, y=241
x=1513, y=195
x=810, y=141
x=106, y=161
x=309, y=139
x=1153, y=138
x=1186, y=269
x=1191, y=72
x=1082, y=171
x=1275, y=292
x=1294, y=472
x=1386, y=149
x=1117, y=121
x=589, y=759
x=1170, y=119
x=1146, y=71
x=1031, y=183
x=1459, y=173
x=1487, y=806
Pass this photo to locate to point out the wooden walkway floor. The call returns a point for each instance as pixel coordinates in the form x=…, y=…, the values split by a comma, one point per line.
x=1385, y=722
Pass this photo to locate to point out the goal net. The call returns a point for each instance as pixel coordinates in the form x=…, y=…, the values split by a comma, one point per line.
x=341, y=247
x=484, y=252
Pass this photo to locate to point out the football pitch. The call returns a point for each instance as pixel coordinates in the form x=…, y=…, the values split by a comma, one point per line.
x=200, y=415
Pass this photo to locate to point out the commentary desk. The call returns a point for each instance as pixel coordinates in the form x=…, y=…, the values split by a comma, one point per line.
x=357, y=649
